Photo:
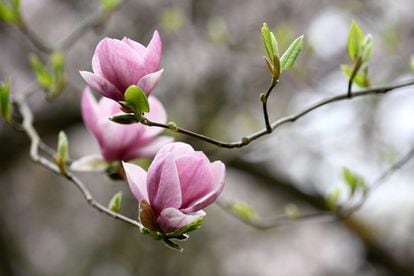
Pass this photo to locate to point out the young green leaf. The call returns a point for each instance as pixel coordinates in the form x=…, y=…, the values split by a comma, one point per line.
x=353, y=180
x=289, y=56
x=267, y=40
x=63, y=150
x=355, y=38
x=116, y=202
x=137, y=100
x=59, y=78
x=58, y=63
x=275, y=46
x=44, y=78
x=5, y=106
x=366, y=48
x=62, y=153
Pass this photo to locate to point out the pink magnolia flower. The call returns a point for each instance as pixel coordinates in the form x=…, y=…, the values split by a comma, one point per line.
x=117, y=64
x=179, y=183
x=122, y=142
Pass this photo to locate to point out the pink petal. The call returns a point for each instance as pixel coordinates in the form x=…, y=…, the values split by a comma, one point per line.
x=163, y=184
x=176, y=149
x=108, y=108
x=138, y=47
x=157, y=114
x=172, y=219
x=219, y=172
x=117, y=141
x=120, y=64
x=105, y=131
x=90, y=113
x=96, y=66
x=151, y=148
x=196, y=177
x=153, y=53
x=148, y=82
x=101, y=85
x=137, y=180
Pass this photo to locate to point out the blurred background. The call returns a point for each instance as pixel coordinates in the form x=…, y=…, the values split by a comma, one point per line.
x=214, y=73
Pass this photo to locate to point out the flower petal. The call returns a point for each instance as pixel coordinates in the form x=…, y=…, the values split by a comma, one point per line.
x=89, y=110
x=89, y=163
x=148, y=82
x=157, y=114
x=117, y=141
x=108, y=108
x=96, y=66
x=137, y=180
x=101, y=85
x=120, y=64
x=91, y=113
x=163, y=183
x=151, y=148
x=172, y=219
x=196, y=177
x=153, y=53
x=219, y=172
x=176, y=149
x=138, y=47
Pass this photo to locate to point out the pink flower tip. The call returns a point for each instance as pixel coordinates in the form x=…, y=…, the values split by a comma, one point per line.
x=179, y=183
x=117, y=64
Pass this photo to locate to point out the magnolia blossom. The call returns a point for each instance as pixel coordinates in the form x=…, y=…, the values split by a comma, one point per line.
x=117, y=64
x=122, y=142
x=179, y=183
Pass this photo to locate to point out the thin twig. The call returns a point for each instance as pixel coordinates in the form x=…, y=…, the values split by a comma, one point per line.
x=92, y=202
x=277, y=220
x=190, y=133
x=395, y=167
x=282, y=121
x=46, y=149
x=264, y=104
x=379, y=181
x=342, y=213
x=35, y=143
x=354, y=72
